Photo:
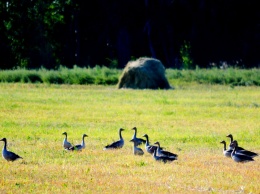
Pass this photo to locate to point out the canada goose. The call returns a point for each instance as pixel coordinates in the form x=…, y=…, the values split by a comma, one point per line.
x=66, y=144
x=138, y=141
x=81, y=146
x=231, y=140
x=116, y=144
x=164, y=159
x=9, y=156
x=240, y=157
x=137, y=150
x=244, y=152
x=149, y=148
x=165, y=153
x=226, y=152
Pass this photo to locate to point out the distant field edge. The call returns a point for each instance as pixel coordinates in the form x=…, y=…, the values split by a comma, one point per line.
x=109, y=76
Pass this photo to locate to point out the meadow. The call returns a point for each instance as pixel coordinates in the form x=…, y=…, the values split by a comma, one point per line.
x=190, y=121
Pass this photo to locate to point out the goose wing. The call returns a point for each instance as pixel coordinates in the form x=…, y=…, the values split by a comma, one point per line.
x=246, y=152
x=11, y=156
x=241, y=158
x=138, y=141
x=168, y=154
x=164, y=159
x=115, y=145
x=76, y=147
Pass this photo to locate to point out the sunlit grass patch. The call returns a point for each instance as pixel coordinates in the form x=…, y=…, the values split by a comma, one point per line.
x=189, y=121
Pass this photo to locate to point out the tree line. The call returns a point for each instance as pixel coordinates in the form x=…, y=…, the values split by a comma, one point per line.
x=180, y=33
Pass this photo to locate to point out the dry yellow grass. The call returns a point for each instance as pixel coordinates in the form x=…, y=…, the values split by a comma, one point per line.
x=189, y=121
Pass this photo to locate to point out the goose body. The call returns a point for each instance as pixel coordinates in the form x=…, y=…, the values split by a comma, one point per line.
x=226, y=152
x=81, y=146
x=66, y=144
x=117, y=144
x=138, y=141
x=8, y=155
x=137, y=150
x=149, y=148
x=165, y=153
x=240, y=157
x=164, y=159
x=231, y=147
x=244, y=152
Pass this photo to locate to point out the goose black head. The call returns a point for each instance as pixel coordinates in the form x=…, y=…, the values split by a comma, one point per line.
x=4, y=139
x=230, y=136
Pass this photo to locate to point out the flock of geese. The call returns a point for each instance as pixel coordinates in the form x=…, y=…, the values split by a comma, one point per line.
x=238, y=154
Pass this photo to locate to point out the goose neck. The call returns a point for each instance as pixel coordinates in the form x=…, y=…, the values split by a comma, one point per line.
x=135, y=133
x=234, y=151
x=120, y=134
x=231, y=138
x=147, y=140
x=5, y=144
x=83, y=141
x=225, y=147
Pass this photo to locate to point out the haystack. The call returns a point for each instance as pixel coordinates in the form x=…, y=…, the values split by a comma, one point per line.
x=144, y=73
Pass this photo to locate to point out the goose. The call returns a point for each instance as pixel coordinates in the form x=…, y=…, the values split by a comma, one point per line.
x=66, y=144
x=240, y=157
x=231, y=140
x=81, y=146
x=137, y=150
x=116, y=144
x=226, y=152
x=164, y=159
x=165, y=153
x=244, y=152
x=138, y=141
x=7, y=155
x=149, y=148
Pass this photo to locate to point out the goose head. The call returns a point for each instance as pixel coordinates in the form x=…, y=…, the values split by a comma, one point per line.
x=65, y=133
x=223, y=142
x=157, y=143
x=4, y=139
x=134, y=128
x=145, y=135
x=84, y=135
x=230, y=136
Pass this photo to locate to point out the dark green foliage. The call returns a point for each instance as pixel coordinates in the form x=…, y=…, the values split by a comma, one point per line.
x=180, y=33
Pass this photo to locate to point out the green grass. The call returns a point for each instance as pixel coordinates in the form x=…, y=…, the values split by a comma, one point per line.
x=190, y=121
x=105, y=76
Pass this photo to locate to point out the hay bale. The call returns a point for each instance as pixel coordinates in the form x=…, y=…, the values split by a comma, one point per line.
x=144, y=73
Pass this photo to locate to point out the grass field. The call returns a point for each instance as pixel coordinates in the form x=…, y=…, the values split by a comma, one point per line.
x=190, y=121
